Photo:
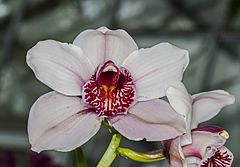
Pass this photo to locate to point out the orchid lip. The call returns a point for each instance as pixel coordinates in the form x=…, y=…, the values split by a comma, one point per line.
x=111, y=91
x=220, y=158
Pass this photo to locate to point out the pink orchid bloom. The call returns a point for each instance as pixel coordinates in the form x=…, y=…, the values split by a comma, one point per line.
x=197, y=108
x=103, y=75
x=207, y=149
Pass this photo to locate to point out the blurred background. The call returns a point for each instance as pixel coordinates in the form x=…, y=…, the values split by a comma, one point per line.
x=210, y=30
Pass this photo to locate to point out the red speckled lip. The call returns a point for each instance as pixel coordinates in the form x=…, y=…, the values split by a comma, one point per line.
x=219, y=159
x=110, y=91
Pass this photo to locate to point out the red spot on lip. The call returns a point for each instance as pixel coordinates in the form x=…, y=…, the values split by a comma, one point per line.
x=110, y=91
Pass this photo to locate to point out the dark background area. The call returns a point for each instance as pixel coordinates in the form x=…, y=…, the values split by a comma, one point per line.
x=210, y=30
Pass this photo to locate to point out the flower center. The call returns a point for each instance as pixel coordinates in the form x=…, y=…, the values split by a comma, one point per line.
x=110, y=91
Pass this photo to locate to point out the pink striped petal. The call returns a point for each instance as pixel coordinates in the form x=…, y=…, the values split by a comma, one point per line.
x=58, y=122
x=103, y=44
x=181, y=101
x=152, y=120
x=155, y=69
x=206, y=105
x=61, y=66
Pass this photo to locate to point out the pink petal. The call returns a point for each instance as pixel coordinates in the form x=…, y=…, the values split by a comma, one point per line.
x=61, y=66
x=206, y=105
x=181, y=101
x=176, y=157
x=58, y=122
x=103, y=44
x=153, y=120
x=155, y=69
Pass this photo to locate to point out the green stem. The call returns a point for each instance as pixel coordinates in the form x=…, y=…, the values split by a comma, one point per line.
x=78, y=158
x=110, y=128
x=111, y=152
x=142, y=157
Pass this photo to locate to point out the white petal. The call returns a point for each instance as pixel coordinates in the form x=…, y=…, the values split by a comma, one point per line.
x=155, y=69
x=61, y=66
x=192, y=161
x=206, y=105
x=103, y=44
x=181, y=101
x=153, y=120
x=192, y=165
x=58, y=122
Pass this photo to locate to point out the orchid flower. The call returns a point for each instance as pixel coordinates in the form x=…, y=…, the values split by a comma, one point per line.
x=103, y=76
x=197, y=108
x=207, y=149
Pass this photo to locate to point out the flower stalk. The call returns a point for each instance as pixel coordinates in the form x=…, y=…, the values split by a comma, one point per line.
x=110, y=128
x=154, y=156
x=111, y=151
x=78, y=158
